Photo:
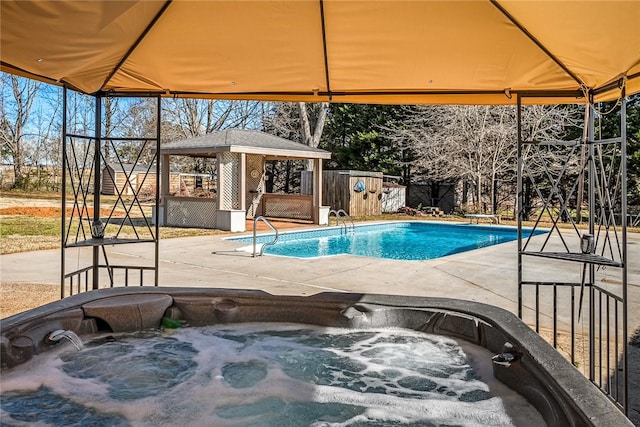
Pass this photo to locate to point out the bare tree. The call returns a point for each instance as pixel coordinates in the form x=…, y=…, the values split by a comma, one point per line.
x=320, y=116
x=299, y=122
x=195, y=117
x=47, y=147
x=184, y=118
x=110, y=123
x=282, y=119
x=475, y=144
x=551, y=162
x=18, y=96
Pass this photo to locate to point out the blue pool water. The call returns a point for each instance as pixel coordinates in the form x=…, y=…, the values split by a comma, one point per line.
x=402, y=240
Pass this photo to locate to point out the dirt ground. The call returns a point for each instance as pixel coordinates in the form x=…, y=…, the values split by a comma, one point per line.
x=18, y=297
x=43, y=212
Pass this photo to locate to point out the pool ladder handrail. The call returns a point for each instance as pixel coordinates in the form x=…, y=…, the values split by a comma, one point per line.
x=341, y=214
x=275, y=240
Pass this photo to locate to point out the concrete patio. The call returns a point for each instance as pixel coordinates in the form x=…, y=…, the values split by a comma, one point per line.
x=487, y=275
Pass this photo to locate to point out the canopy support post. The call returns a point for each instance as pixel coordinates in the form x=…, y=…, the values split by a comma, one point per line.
x=554, y=172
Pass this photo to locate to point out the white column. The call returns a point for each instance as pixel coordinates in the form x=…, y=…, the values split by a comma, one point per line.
x=320, y=213
x=228, y=216
x=218, y=183
x=242, y=182
x=317, y=182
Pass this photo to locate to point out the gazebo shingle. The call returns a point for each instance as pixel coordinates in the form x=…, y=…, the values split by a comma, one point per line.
x=242, y=141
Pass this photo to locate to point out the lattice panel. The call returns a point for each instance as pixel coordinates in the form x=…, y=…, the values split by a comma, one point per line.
x=287, y=206
x=393, y=198
x=191, y=212
x=79, y=188
x=229, y=172
x=254, y=183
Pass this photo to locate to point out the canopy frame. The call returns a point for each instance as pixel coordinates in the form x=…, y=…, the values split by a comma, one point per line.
x=603, y=166
x=85, y=227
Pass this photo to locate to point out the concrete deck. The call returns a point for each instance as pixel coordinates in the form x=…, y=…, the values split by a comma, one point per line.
x=487, y=275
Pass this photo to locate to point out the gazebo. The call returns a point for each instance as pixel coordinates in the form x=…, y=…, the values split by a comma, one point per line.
x=240, y=181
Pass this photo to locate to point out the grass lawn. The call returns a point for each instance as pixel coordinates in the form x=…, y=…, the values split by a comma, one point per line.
x=23, y=233
x=32, y=221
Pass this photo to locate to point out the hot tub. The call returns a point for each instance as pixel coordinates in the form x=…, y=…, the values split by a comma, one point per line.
x=523, y=361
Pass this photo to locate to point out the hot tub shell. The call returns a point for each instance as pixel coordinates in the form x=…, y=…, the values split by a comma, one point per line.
x=562, y=395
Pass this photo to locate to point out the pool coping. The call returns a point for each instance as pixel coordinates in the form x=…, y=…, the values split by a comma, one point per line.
x=249, y=248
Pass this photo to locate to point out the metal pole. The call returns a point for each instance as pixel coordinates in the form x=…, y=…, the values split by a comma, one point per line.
x=519, y=201
x=157, y=206
x=63, y=223
x=591, y=176
x=96, y=187
x=623, y=171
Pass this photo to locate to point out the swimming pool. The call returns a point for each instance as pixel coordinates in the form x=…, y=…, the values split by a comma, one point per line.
x=414, y=241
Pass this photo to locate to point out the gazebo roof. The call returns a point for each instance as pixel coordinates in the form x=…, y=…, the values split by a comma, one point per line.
x=242, y=141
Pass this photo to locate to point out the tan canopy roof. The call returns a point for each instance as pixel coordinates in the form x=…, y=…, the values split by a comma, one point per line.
x=472, y=52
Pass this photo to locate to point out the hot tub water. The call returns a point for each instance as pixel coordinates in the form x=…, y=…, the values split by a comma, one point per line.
x=264, y=375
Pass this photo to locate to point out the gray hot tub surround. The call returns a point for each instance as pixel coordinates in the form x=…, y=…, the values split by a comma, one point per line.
x=526, y=363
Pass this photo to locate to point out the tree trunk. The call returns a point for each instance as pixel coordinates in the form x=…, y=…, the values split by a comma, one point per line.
x=307, y=137
x=269, y=169
x=18, y=164
x=287, y=179
x=494, y=194
x=479, y=191
x=12, y=130
x=465, y=191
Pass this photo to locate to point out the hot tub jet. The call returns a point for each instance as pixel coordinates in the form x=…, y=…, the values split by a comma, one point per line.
x=55, y=336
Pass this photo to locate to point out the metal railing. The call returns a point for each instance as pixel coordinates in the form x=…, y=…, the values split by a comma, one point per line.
x=119, y=275
x=79, y=279
x=596, y=343
x=342, y=215
x=275, y=240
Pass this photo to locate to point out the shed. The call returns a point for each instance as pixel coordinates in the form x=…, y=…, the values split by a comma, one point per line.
x=240, y=181
x=141, y=179
x=359, y=193
x=393, y=196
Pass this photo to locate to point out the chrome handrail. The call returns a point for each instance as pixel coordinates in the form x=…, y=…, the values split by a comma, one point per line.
x=338, y=218
x=266, y=221
x=342, y=215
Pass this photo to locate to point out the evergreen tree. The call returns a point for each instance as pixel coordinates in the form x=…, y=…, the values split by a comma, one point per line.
x=608, y=126
x=354, y=134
